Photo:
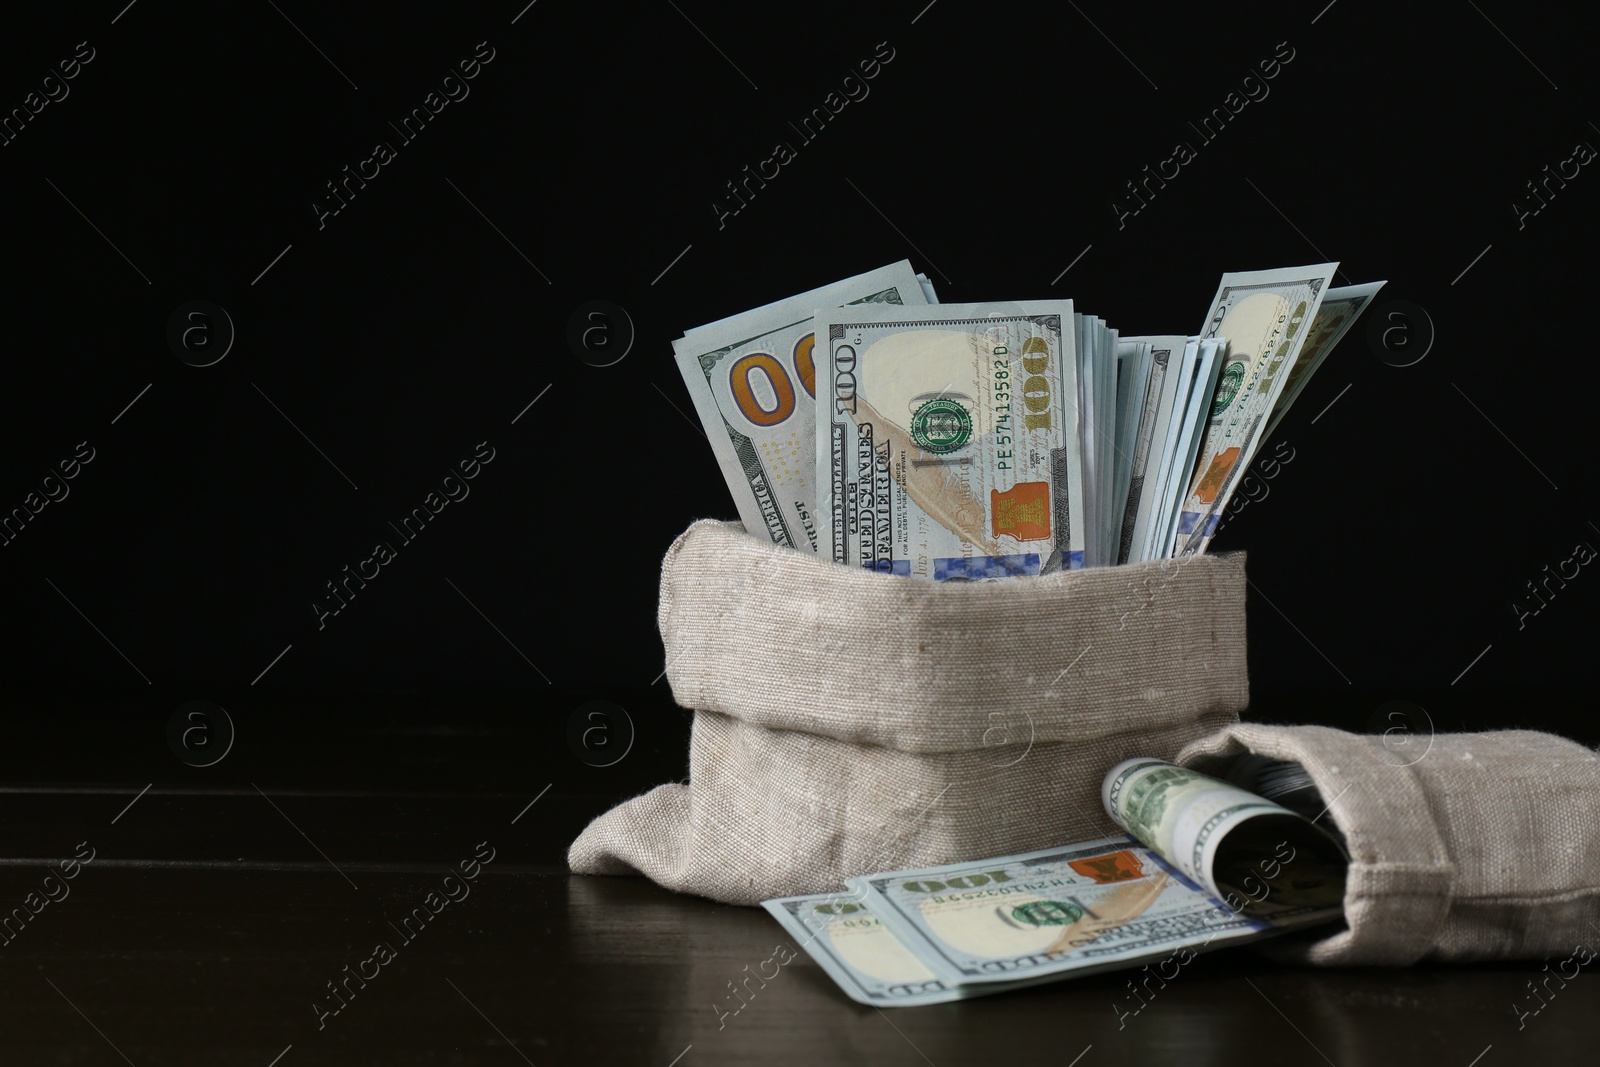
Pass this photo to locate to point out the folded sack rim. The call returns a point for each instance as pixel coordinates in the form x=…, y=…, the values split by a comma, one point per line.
x=1161, y=664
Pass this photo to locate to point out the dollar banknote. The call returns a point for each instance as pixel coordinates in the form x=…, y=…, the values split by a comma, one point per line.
x=872, y=965
x=1163, y=405
x=1340, y=310
x=1106, y=506
x=1133, y=376
x=1151, y=413
x=1251, y=852
x=948, y=440
x=1265, y=316
x=1093, y=906
x=1097, y=390
x=1211, y=865
x=752, y=378
x=1210, y=358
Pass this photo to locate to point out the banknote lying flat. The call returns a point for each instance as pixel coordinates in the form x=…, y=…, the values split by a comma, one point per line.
x=1212, y=864
x=905, y=938
x=844, y=935
x=926, y=936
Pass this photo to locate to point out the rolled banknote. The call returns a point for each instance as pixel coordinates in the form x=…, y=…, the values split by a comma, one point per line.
x=947, y=439
x=753, y=378
x=1265, y=316
x=1257, y=856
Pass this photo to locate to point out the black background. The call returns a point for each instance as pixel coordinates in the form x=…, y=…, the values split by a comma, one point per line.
x=381, y=348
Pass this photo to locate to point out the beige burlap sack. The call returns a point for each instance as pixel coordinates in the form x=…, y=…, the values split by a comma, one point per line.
x=1463, y=846
x=848, y=721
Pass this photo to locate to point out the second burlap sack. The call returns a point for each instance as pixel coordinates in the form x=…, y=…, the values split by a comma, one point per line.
x=1462, y=846
x=848, y=721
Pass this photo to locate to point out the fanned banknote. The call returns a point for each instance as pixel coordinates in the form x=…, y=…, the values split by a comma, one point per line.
x=1154, y=413
x=984, y=441
x=1210, y=357
x=947, y=439
x=1134, y=364
x=1265, y=316
x=1167, y=357
x=1097, y=390
x=1340, y=310
x=753, y=379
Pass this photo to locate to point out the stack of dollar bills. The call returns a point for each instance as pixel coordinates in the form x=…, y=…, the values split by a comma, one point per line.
x=869, y=423
x=1206, y=864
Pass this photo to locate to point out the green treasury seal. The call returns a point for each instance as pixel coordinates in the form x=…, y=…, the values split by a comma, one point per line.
x=941, y=425
x=1228, y=387
x=1046, y=913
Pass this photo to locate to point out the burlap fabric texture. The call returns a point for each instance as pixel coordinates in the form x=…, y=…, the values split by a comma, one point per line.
x=847, y=721
x=1463, y=846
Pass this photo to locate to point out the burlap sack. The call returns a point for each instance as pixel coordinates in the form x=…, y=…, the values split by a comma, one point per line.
x=848, y=721
x=1484, y=846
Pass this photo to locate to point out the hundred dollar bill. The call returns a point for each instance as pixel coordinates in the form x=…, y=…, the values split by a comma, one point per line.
x=1264, y=315
x=1182, y=440
x=948, y=439
x=752, y=378
x=1084, y=341
x=1254, y=854
x=1087, y=907
x=1097, y=391
x=1340, y=310
x=1157, y=433
x=1146, y=388
x=868, y=961
x=1106, y=506
x=1211, y=357
x=1133, y=375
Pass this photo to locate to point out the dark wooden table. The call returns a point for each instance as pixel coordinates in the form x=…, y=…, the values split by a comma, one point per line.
x=222, y=902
